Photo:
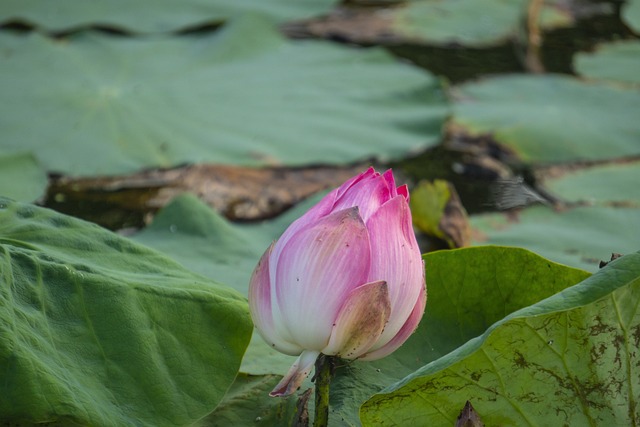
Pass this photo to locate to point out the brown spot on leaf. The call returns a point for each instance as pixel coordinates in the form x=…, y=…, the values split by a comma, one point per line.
x=469, y=417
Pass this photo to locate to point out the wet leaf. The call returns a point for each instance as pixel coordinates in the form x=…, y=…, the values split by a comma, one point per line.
x=149, y=16
x=570, y=359
x=244, y=95
x=551, y=118
x=21, y=177
x=97, y=330
x=579, y=236
x=618, y=61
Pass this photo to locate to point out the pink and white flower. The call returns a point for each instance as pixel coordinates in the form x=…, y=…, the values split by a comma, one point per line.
x=346, y=279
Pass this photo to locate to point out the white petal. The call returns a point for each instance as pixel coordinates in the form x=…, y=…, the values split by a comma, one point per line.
x=317, y=269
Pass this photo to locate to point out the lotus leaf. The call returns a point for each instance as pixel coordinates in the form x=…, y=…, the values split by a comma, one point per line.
x=570, y=359
x=98, y=330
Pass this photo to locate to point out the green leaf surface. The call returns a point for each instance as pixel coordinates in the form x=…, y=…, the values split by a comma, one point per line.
x=21, y=177
x=613, y=184
x=631, y=14
x=470, y=23
x=469, y=289
x=619, y=61
x=248, y=402
x=579, y=237
x=459, y=21
x=97, y=330
x=428, y=201
x=571, y=359
x=244, y=95
x=551, y=118
x=149, y=16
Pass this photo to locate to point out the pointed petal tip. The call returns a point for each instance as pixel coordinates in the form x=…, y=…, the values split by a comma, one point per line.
x=298, y=372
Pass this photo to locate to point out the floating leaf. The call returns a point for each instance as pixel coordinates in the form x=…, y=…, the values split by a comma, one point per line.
x=149, y=16
x=243, y=95
x=551, y=118
x=21, y=177
x=619, y=61
x=474, y=24
x=571, y=359
x=97, y=330
x=631, y=14
x=580, y=237
x=465, y=22
x=608, y=184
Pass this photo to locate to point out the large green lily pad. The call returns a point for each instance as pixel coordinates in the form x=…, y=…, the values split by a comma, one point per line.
x=551, y=118
x=244, y=95
x=21, y=177
x=150, y=16
x=571, y=359
x=579, y=236
x=613, y=184
x=619, y=61
x=97, y=330
x=470, y=23
x=631, y=14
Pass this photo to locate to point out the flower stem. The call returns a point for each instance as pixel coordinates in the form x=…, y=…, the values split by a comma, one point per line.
x=324, y=370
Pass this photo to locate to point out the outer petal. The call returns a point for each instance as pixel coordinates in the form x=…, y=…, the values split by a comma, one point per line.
x=361, y=321
x=321, y=209
x=316, y=270
x=396, y=258
x=403, y=334
x=261, y=308
x=296, y=375
x=367, y=194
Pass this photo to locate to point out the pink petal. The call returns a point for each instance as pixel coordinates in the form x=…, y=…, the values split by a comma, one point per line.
x=317, y=268
x=396, y=258
x=324, y=207
x=391, y=183
x=403, y=334
x=300, y=370
x=349, y=183
x=367, y=194
x=360, y=322
x=261, y=309
x=404, y=190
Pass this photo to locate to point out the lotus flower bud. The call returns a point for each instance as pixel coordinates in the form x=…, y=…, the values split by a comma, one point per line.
x=346, y=279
